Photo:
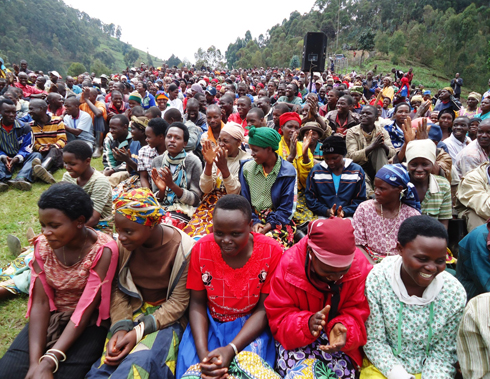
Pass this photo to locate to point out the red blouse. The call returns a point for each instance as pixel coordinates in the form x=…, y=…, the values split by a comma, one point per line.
x=232, y=293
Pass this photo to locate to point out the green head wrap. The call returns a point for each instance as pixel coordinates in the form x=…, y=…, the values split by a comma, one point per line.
x=264, y=137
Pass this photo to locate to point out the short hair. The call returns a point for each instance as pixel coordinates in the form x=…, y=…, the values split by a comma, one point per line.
x=182, y=127
x=198, y=96
x=80, y=149
x=227, y=99
x=144, y=85
x=449, y=111
x=213, y=107
x=422, y=225
x=282, y=107
x=466, y=118
x=172, y=114
x=138, y=111
x=375, y=109
x=267, y=99
x=123, y=118
x=154, y=111
x=192, y=103
x=295, y=88
x=247, y=100
x=256, y=111
x=400, y=105
x=116, y=92
x=68, y=198
x=172, y=87
x=336, y=92
x=72, y=99
x=6, y=101
x=349, y=99
x=235, y=202
x=158, y=125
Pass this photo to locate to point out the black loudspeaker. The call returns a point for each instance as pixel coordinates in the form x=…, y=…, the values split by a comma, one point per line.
x=314, y=52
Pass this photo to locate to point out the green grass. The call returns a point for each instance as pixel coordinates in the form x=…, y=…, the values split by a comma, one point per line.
x=430, y=78
x=18, y=212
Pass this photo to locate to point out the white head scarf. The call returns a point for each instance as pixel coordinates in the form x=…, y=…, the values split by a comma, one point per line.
x=424, y=148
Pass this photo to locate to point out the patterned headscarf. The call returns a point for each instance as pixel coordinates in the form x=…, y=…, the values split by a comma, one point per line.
x=139, y=205
x=139, y=122
x=396, y=175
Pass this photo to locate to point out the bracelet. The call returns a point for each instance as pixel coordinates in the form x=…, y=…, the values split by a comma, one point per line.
x=140, y=331
x=234, y=347
x=55, y=360
x=63, y=355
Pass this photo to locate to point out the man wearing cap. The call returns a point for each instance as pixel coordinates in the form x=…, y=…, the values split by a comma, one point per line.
x=210, y=95
x=316, y=306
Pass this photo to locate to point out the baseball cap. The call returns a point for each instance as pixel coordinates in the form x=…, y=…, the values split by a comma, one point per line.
x=332, y=241
x=211, y=91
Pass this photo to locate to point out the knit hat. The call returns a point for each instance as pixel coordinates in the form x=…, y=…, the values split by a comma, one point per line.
x=332, y=241
x=358, y=89
x=423, y=148
x=135, y=96
x=139, y=122
x=334, y=145
x=161, y=95
x=288, y=116
x=435, y=132
x=263, y=137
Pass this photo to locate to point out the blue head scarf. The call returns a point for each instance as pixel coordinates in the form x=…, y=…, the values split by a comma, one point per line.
x=396, y=175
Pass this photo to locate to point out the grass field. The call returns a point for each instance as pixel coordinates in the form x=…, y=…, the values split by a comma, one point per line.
x=18, y=212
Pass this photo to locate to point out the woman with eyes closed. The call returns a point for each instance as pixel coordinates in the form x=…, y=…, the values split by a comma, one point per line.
x=229, y=279
x=416, y=307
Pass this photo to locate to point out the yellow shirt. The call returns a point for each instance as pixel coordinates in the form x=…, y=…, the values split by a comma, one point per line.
x=302, y=169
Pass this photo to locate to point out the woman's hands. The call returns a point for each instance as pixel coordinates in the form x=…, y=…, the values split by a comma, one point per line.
x=209, y=152
x=119, y=346
x=215, y=364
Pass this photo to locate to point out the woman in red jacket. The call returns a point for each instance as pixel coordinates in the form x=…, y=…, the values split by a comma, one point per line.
x=316, y=306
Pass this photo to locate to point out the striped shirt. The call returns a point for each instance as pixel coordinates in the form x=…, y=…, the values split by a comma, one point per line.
x=53, y=133
x=474, y=338
x=437, y=201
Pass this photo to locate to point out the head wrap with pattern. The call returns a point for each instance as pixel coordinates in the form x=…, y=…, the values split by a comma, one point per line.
x=140, y=206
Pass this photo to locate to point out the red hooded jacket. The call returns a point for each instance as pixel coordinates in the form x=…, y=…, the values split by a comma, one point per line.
x=293, y=300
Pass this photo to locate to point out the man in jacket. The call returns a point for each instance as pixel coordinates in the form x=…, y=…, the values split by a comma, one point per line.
x=316, y=306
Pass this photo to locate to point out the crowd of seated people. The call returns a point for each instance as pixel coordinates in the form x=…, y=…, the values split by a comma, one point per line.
x=248, y=224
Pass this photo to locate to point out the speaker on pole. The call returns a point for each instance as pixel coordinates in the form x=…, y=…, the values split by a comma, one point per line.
x=314, y=52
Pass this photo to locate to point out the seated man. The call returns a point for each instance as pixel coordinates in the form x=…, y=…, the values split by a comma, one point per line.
x=50, y=138
x=369, y=145
x=476, y=152
x=473, y=197
x=78, y=124
x=336, y=182
x=342, y=119
x=118, y=137
x=192, y=114
x=316, y=305
x=244, y=104
x=16, y=142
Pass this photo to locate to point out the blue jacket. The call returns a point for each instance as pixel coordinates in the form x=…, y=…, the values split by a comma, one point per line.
x=320, y=190
x=25, y=141
x=283, y=193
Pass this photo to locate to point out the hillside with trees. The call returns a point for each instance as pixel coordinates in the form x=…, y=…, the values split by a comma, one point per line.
x=447, y=36
x=53, y=36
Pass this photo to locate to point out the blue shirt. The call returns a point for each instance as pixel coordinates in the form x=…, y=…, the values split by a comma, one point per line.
x=336, y=182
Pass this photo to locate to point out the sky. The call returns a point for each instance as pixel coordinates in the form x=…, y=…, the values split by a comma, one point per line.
x=182, y=27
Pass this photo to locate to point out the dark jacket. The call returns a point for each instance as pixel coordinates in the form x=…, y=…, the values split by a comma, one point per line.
x=320, y=190
x=283, y=193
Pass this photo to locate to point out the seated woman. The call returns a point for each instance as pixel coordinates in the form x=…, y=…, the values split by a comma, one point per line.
x=72, y=273
x=336, y=182
x=150, y=298
x=376, y=222
x=300, y=156
x=269, y=183
x=220, y=176
x=434, y=191
x=77, y=156
x=415, y=307
x=175, y=176
x=317, y=135
x=473, y=267
x=316, y=306
x=229, y=278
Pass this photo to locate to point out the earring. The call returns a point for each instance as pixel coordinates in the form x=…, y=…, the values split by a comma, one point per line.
x=80, y=226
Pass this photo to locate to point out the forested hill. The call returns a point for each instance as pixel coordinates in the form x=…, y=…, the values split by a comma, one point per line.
x=51, y=36
x=446, y=35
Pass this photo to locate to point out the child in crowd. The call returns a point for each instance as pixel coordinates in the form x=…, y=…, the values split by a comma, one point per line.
x=229, y=278
x=117, y=138
x=415, y=306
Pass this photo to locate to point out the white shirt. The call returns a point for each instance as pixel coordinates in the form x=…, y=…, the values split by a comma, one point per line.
x=454, y=146
x=176, y=103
